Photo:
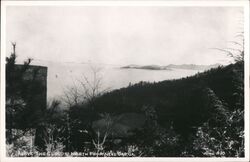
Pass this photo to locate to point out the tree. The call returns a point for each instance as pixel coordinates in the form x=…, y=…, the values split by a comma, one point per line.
x=223, y=134
x=51, y=129
x=155, y=140
x=53, y=141
x=85, y=89
x=102, y=135
x=236, y=49
x=80, y=100
x=25, y=97
x=15, y=103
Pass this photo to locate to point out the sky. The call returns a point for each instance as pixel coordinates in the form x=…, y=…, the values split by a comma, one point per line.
x=122, y=35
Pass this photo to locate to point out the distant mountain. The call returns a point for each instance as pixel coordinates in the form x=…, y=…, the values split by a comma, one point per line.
x=193, y=66
x=172, y=66
x=146, y=67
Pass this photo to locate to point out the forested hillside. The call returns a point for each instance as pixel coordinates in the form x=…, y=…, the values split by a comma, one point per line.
x=177, y=97
x=214, y=97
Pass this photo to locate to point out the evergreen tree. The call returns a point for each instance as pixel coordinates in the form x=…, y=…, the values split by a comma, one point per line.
x=14, y=84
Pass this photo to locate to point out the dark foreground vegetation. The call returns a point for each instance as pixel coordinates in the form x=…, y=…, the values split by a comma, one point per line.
x=197, y=116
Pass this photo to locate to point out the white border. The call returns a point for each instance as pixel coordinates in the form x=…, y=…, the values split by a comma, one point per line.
x=233, y=3
x=206, y=3
x=247, y=76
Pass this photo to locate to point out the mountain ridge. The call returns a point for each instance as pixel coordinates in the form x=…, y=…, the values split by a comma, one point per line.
x=171, y=66
x=182, y=101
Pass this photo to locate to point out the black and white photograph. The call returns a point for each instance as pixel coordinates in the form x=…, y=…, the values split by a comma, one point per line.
x=144, y=79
